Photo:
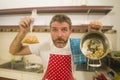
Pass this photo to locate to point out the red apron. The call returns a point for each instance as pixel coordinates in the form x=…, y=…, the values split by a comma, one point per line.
x=59, y=68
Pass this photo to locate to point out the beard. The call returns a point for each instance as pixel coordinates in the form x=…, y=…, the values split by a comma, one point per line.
x=60, y=42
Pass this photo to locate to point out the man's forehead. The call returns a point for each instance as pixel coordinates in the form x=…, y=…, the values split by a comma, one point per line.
x=59, y=24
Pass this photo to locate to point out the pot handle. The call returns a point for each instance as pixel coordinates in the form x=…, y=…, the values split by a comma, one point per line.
x=94, y=65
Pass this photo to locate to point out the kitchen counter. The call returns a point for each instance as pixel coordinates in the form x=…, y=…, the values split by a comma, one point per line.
x=22, y=75
x=18, y=75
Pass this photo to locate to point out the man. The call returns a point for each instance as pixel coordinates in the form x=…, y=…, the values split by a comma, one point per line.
x=56, y=55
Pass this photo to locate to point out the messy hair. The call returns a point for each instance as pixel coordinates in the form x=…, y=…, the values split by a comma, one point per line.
x=61, y=18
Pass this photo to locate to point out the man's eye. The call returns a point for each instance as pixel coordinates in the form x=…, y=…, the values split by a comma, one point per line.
x=54, y=30
x=64, y=30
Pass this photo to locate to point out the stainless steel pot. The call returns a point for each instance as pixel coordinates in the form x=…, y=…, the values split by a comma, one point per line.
x=94, y=45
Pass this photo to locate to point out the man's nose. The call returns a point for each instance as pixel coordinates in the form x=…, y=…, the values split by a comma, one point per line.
x=59, y=33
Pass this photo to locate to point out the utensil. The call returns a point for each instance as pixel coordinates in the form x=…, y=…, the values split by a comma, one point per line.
x=33, y=15
x=30, y=38
x=95, y=46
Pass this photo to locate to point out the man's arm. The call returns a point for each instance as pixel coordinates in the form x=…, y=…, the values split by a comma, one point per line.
x=16, y=47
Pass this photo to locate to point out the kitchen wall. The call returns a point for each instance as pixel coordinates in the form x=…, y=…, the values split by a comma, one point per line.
x=111, y=18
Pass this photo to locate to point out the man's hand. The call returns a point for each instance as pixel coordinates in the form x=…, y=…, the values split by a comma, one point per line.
x=95, y=26
x=25, y=24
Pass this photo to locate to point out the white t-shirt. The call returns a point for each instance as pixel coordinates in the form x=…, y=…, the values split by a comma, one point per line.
x=46, y=48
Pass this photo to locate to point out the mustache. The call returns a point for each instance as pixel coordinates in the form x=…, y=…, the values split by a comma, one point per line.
x=59, y=39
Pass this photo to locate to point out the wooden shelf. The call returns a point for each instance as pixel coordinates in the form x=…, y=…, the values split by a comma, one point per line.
x=55, y=9
x=44, y=28
x=4, y=78
x=60, y=9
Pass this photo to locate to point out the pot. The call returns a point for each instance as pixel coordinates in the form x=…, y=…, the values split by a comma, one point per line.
x=95, y=46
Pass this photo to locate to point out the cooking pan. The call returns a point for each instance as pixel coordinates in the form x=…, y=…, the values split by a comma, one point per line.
x=95, y=46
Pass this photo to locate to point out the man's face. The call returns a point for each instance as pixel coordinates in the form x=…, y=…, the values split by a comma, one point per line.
x=60, y=33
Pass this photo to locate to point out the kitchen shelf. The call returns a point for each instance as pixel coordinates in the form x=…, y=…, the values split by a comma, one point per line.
x=4, y=78
x=56, y=9
x=45, y=28
x=60, y=9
